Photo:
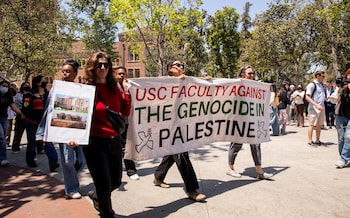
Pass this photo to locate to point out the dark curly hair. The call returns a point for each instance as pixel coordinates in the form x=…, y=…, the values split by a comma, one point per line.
x=90, y=71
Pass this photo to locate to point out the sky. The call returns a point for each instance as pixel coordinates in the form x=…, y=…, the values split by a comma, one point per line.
x=257, y=7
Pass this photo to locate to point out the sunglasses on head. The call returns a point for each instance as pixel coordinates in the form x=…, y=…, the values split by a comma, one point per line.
x=178, y=65
x=105, y=65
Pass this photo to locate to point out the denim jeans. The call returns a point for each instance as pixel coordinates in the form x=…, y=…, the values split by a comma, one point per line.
x=3, y=128
x=274, y=122
x=343, y=129
x=72, y=161
x=51, y=153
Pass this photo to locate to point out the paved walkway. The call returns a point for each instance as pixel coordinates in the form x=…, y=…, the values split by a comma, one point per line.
x=28, y=193
x=39, y=193
x=306, y=184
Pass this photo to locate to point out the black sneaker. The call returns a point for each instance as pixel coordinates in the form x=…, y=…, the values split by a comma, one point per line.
x=319, y=143
x=54, y=166
x=311, y=143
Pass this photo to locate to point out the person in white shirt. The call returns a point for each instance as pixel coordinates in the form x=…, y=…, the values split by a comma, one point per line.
x=10, y=116
x=315, y=96
x=298, y=98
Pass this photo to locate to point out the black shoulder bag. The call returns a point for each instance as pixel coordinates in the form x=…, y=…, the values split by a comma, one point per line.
x=117, y=120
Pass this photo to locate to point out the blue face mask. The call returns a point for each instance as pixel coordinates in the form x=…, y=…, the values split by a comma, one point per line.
x=3, y=89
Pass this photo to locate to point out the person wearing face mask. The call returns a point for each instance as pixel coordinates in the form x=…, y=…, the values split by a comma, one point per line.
x=19, y=121
x=10, y=115
x=6, y=100
x=33, y=109
x=298, y=97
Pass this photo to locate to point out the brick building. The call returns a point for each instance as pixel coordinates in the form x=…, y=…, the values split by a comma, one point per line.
x=133, y=62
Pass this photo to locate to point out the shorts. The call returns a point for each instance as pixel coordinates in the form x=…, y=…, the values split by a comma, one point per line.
x=316, y=119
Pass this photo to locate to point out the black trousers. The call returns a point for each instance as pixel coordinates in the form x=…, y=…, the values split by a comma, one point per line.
x=19, y=130
x=104, y=160
x=185, y=167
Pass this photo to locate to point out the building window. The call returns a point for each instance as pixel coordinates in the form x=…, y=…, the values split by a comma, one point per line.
x=133, y=56
x=137, y=73
x=130, y=73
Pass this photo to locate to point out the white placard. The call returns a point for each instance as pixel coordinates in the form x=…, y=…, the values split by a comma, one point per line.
x=70, y=112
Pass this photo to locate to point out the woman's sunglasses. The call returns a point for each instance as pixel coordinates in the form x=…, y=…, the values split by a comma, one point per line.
x=105, y=65
x=178, y=65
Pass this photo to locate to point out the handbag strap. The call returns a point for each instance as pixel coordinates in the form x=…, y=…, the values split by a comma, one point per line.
x=103, y=101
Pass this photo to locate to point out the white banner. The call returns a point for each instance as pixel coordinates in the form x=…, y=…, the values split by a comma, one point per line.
x=69, y=113
x=170, y=115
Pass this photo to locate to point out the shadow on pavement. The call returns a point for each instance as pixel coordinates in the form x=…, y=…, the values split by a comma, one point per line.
x=29, y=193
x=18, y=185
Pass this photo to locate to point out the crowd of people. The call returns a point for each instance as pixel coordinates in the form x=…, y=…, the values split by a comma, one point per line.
x=324, y=106
x=294, y=104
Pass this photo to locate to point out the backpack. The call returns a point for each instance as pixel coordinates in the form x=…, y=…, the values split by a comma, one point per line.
x=283, y=101
x=313, y=92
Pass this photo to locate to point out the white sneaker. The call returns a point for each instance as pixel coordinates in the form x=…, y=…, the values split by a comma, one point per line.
x=233, y=173
x=341, y=164
x=134, y=177
x=264, y=175
x=74, y=195
x=4, y=163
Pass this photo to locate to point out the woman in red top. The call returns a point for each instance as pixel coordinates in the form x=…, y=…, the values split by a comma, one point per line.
x=104, y=153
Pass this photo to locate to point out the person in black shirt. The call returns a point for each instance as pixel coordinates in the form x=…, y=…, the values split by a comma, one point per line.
x=33, y=109
x=6, y=100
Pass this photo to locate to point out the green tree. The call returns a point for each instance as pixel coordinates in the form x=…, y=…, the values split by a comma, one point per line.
x=246, y=22
x=283, y=42
x=159, y=24
x=195, y=54
x=97, y=29
x=294, y=36
x=30, y=37
x=224, y=42
x=334, y=34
